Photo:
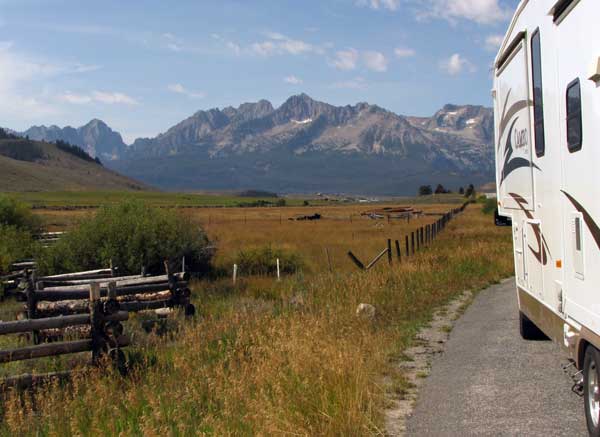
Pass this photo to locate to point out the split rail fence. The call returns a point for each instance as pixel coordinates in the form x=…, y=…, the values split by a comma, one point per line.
x=88, y=306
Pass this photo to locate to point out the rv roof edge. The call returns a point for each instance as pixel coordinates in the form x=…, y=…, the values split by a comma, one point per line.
x=511, y=27
x=511, y=48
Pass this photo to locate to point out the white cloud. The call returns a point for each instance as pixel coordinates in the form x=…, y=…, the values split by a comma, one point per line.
x=345, y=59
x=293, y=80
x=279, y=44
x=75, y=99
x=18, y=77
x=180, y=89
x=112, y=98
x=358, y=83
x=392, y=5
x=493, y=42
x=456, y=64
x=375, y=61
x=403, y=52
x=479, y=11
x=172, y=42
x=235, y=48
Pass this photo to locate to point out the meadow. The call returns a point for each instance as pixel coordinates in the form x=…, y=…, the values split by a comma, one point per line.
x=268, y=357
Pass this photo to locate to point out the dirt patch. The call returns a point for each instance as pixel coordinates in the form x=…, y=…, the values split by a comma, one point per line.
x=415, y=364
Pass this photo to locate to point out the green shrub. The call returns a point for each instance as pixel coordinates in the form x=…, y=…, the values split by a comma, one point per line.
x=489, y=206
x=15, y=244
x=132, y=235
x=17, y=214
x=263, y=261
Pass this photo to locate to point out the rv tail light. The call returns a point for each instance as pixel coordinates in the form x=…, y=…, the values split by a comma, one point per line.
x=559, y=264
x=595, y=71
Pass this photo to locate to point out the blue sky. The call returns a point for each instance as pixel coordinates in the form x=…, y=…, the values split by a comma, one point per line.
x=143, y=66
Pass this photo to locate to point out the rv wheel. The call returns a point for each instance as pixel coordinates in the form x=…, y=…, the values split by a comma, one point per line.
x=528, y=329
x=591, y=389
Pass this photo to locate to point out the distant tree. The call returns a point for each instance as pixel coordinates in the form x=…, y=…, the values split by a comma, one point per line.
x=305, y=203
x=280, y=202
x=440, y=189
x=425, y=190
x=461, y=190
x=470, y=191
x=76, y=151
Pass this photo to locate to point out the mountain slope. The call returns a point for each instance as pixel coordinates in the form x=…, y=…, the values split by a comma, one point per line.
x=96, y=138
x=307, y=145
x=38, y=166
x=303, y=145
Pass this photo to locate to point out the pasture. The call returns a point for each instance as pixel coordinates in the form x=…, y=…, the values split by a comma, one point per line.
x=268, y=357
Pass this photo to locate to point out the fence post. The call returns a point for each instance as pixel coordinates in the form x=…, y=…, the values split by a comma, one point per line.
x=32, y=303
x=234, y=273
x=356, y=261
x=412, y=242
x=328, y=260
x=389, y=249
x=422, y=236
x=418, y=247
x=96, y=322
x=398, y=252
x=407, y=250
x=278, y=271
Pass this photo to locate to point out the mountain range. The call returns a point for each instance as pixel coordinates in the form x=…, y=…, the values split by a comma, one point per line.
x=302, y=146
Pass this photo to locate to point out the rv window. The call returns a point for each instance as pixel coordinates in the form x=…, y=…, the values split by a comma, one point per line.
x=538, y=98
x=574, y=119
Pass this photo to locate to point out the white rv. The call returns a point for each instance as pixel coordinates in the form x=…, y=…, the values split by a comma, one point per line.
x=547, y=111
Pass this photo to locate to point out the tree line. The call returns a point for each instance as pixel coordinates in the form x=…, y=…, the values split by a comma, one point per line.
x=427, y=190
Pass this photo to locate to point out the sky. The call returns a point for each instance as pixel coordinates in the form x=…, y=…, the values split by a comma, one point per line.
x=143, y=66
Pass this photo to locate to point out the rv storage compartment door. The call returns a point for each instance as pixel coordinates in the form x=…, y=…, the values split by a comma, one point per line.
x=514, y=132
x=519, y=261
x=534, y=257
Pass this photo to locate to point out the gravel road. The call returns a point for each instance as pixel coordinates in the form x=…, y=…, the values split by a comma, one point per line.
x=491, y=382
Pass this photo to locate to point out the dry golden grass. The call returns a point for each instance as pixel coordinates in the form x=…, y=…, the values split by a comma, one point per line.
x=279, y=358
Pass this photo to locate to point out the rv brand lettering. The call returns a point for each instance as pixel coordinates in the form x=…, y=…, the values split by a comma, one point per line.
x=520, y=138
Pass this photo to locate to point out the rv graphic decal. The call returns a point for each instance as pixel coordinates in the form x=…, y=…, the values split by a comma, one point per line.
x=512, y=111
x=520, y=138
x=587, y=218
x=543, y=251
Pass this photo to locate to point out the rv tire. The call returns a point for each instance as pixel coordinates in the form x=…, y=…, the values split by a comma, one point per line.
x=528, y=329
x=591, y=390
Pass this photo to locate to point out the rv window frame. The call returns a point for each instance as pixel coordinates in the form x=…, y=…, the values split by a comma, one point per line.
x=569, y=117
x=539, y=143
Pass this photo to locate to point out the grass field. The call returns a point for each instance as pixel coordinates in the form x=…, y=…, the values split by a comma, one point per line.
x=278, y=358
x=79, y=199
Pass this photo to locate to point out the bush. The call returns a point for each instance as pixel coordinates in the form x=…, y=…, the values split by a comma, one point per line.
x=15, y=245
x=263, y=261
x=132, y=235
x=17, y=214
x=489, y=206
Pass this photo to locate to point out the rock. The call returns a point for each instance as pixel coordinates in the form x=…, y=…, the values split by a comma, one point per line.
x=366, y=311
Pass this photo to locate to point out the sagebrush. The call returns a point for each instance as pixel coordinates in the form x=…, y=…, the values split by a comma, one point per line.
x=131, y=235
